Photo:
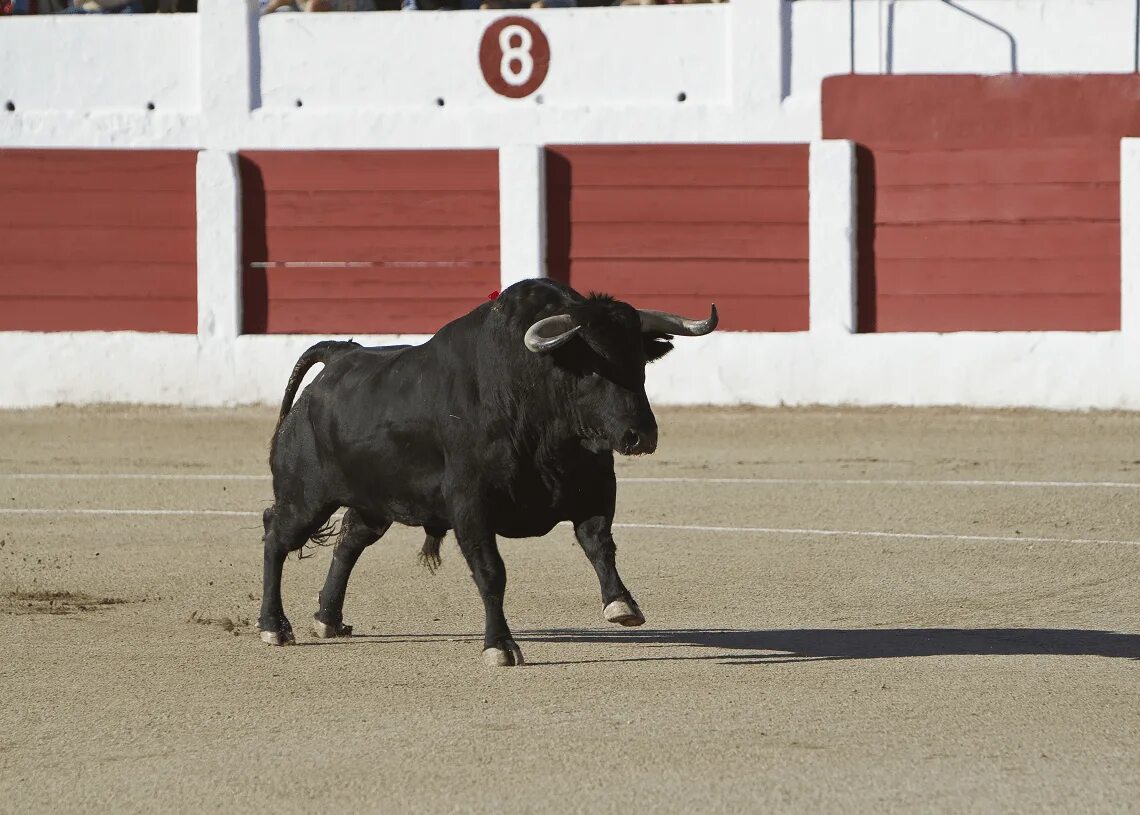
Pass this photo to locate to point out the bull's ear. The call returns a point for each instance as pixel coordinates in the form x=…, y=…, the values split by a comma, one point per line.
x=656, y=346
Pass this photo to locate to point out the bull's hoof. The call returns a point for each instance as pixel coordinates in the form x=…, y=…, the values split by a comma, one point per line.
x=624, y=613
x=504, y=655
x=322, y=631
x=278, y=637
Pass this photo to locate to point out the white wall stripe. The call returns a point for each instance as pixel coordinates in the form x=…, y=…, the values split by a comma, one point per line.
x=890, y=482
x=756, y=530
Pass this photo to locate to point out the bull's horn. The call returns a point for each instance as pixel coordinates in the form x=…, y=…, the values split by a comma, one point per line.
x=549, y=333
x=665, y=323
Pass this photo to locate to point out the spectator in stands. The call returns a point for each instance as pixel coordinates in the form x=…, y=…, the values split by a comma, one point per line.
x=152, y=6
x=453, y=5
x=439, y=5
x=270, y=6
x=10, y=7
x=104, y=7
x=33, y=6
x=519, y=4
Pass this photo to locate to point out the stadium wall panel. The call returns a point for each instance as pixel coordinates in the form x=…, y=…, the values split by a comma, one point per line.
x=673, y=227
x=367, y=242
x=987, y=203
x=98, y=240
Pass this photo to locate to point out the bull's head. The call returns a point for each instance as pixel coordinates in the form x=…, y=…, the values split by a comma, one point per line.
x=605, y=363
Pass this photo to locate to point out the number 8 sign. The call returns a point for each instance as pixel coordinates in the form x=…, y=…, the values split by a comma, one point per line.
x=515, y=56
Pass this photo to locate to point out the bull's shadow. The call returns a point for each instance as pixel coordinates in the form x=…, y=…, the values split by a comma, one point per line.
x=736, y=646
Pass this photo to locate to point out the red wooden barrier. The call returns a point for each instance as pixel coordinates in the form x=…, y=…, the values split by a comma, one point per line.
x=676, y=226
x=98, y=240
x=367, y=241
x=987, y=203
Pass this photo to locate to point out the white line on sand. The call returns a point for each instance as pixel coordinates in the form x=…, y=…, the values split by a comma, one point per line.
x=131, y=477
x=841, y=533
x=755, y=530
x=897, y=482
x=230, y=513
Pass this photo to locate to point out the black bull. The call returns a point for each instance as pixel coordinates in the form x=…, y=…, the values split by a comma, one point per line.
x=503, y=423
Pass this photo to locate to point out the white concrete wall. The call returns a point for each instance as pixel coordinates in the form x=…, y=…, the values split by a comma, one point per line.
x=398, y=63
x=60, y=63
x=833, y=226
x=1059, y=370
x=221, y=81
x=373, y=80
x=749, y=69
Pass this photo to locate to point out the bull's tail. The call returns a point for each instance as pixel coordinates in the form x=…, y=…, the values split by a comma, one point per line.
x=321, y=352
x=429, y=554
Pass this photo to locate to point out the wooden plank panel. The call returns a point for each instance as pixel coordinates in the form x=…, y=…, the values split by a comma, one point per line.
x=994, y=277
x=290, y=300
x=377, y=314
x=1016, y=312
x=1007, y=202
x=738, y=312
x=36, y=170
x=700, y=279
x=718, y=165
x=689, y=205
x=683, y=225
x=422, y=244
x=372, y=170
x=98, y=244
x=1004, y=109
x=76, y=279
x=177, y=315
x=1031, y=164
x=386, y=207
x=98, y=240
x=995, y=199
x=1070, y=241
x=121, y=208
x=618, y=240
x=365, y=316
x=472, y=284
x=439, y=209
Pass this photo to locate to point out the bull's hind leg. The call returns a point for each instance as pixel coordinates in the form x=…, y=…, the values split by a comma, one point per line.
x=287, y=527
x=356, y=535
x=596, y=540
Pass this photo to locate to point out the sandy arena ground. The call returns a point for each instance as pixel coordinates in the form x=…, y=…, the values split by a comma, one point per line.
x=982, y=656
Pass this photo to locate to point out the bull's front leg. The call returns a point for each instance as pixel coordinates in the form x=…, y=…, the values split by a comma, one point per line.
x=481, y=551
x=597, y=541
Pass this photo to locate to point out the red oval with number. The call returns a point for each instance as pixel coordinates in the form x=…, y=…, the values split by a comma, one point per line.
x=515, y=56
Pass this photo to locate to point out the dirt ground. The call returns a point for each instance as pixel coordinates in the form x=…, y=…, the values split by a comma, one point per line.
x=846, y=631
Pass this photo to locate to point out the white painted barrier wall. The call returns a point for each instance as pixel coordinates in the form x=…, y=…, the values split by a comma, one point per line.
x=749, y=69
x=221, y=81
x=47, y=65
x=382, y=67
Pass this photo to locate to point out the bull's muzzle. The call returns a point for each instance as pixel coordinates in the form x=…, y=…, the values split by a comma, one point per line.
x=638, y=442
